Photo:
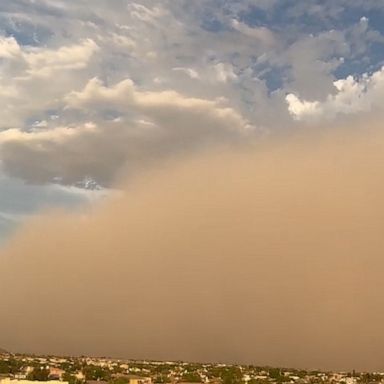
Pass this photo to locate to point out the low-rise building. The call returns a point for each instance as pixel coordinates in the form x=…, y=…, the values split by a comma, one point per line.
x=139, y=379
x=16, y=381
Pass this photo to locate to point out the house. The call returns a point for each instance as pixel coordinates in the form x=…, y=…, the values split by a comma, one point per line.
x=13, y=381
x=138, y=379
x=56, y=373
x=80, y=375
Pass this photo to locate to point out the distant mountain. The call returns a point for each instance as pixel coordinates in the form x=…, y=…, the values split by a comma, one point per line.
x=3, y=351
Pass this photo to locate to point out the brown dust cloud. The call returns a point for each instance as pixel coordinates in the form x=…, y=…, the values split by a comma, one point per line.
x=269, y=254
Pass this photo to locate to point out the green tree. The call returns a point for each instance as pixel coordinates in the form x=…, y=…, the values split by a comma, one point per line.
x=93, y=372
x=38, y=374
x=162, y=379
x=191, y=377
x=231, y=376
x=71, y=379
x=4, y=367
x=119, y=380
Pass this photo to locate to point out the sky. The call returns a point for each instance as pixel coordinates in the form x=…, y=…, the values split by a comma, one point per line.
x=154, y=156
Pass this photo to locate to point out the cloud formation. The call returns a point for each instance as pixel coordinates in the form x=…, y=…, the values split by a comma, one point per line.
x=131, y=71
x=352, y=97
x=146, y=127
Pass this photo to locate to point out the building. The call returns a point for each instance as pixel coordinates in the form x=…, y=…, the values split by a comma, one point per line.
x=56, y=373
x=15, y=381
x=138, y=379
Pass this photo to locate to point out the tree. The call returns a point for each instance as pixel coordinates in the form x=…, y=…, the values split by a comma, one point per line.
x=38, y=374
x=4, y=367
x=71, y=379
x=191, y=377
x=162, y=379
x=231, y=376
x=120, y=380
x=93, y=372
